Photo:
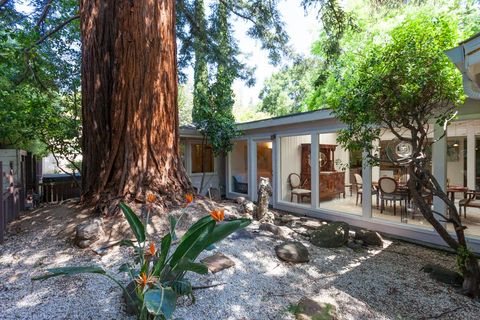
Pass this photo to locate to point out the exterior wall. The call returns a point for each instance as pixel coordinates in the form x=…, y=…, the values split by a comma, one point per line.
x=212, y=179
x=12, y=157
x=323, y=123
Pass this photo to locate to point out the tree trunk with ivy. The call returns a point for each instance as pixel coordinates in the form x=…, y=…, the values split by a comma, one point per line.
x=422, y=179
x=129, y=103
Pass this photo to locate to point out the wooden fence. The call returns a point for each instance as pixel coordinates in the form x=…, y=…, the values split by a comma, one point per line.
x=57, y=191
x=12, y=202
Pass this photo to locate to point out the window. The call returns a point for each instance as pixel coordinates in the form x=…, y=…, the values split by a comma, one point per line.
x=202, y=158
x=239, y=167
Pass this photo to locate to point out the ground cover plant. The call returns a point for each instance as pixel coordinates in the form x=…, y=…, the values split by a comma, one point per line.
x=159, y=275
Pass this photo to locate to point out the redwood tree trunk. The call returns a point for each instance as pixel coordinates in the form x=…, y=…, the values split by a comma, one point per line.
x=129, y=102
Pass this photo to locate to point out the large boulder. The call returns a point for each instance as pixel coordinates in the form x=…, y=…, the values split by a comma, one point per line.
x=331, y=235
x=88, y=232
x=310, y=309
x=368, y=237
x=292, y=251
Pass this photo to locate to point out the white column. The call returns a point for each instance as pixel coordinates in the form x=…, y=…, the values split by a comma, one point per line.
x=376, y=169
x=277, y=171
x=314, y=169
x=252, y=169
x=366, y=187
x=471, y=174
x=439, y=163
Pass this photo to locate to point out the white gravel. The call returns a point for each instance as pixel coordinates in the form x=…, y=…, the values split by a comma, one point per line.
x=371, y=284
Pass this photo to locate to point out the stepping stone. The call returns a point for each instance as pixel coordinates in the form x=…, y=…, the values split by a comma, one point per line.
x=218, y=262
x=310, y=309
x=292, y=251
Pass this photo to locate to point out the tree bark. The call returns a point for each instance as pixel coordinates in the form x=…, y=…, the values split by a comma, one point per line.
x=129, y=103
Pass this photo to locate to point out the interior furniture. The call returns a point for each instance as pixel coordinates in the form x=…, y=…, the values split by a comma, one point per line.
x=331, y=182
x=297, y=188
x=472, y=200
x=389, y=191
x=358, y=183
x=240, y=184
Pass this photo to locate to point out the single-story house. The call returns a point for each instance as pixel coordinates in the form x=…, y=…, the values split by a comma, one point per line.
x=312, y=174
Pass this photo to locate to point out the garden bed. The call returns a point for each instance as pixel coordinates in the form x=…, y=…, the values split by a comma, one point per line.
x=370, y=283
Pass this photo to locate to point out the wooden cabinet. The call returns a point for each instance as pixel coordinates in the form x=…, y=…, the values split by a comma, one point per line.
x=331, y=182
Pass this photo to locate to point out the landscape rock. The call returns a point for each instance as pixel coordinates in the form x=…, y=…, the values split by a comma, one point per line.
x=239, y=200
x=88, y=232
x=310, y=309
x=370, y=238
x=264, y=193
x=444, y=275
x=354, y=245
x=331, y=235
x=311, y=224
x=218, y=262
x=286, y=218
x=215, y=194
x=279, y=231
x=248, y=207
x=292, y=251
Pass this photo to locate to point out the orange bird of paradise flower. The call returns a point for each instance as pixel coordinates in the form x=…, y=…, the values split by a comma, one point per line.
x=189, y=198
x=151, y=249
x=218, y=215
x=151, y=198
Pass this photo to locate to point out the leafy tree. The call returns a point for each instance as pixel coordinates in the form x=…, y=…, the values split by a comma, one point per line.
x=403, y=85
x=212, y=109
x=288, y=90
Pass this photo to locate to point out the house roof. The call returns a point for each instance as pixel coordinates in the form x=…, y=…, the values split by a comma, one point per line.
x=302, y=117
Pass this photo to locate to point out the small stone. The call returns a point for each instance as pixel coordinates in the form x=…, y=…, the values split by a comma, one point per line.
x=312, y=224
x=292, y=251
x=281, y=232
x=286, y=218
x=88, y=232
x=84, y=243
x=239, y=200
x=218, y=262
x=310, y=309
x=241, y=234
x=331, y=235
x=248, y=207
x=371, y=238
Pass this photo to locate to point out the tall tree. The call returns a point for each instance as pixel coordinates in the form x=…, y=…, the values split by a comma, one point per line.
x=403, y=86
x=212, y=110
x=129, y=99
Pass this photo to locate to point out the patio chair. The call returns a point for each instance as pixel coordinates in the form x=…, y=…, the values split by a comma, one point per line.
x=389, y=191
x=470, y=201
x=297, y=188
x=359, y=188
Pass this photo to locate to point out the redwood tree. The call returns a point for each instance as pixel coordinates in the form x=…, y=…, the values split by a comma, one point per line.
x=129, y=102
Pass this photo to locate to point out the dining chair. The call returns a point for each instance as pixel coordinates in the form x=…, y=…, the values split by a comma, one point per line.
x=359, y=188
x=389, y=192
x=472, y=200
x=297, y=188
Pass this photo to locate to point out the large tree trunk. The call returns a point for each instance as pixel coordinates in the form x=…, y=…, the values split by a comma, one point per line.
x=129, y=102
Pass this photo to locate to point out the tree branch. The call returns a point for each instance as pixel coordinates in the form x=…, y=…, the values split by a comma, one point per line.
x=53, y=31
x=44, y=14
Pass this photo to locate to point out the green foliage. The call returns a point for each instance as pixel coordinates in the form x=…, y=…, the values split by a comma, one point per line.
x=463, y=256
x=288, y=90
x=213, y=102
x=159, y=274
x=405, y=80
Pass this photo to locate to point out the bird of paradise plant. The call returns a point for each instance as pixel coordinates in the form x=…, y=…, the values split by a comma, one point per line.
x=159, y=275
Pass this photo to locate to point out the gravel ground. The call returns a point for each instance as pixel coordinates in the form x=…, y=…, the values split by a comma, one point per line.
x=371, y=284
